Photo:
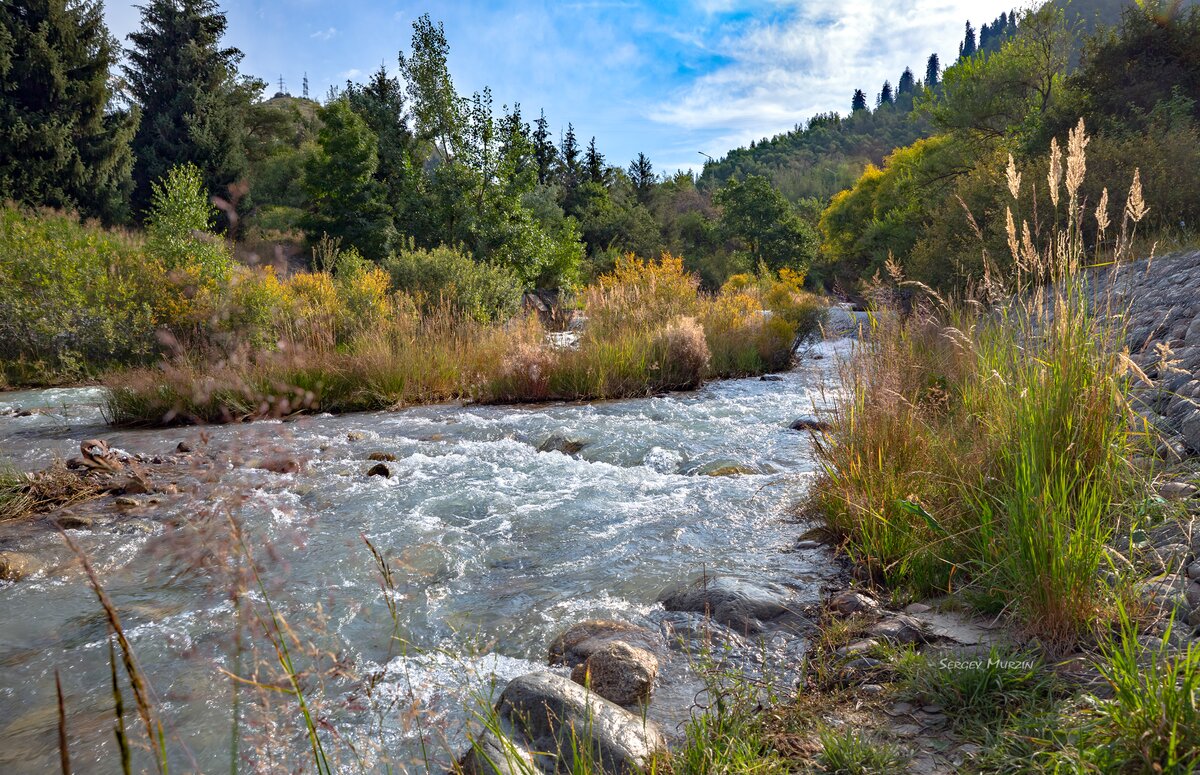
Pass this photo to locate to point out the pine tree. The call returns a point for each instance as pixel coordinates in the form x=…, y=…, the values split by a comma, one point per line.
x=907, y=82
x=569, y=152
x=543, y=148
x=968, y=48
x=193, y=102
x=59, y=144
x=346, y=201
x=858, y=101
x=933, y=71
x=594, y=163
x=381, y=104
x=885, y=95
x=641, y=173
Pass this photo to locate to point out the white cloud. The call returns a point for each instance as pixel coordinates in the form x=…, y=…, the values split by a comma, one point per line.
x=350, y=74
x=781, y=72
x=324, y=34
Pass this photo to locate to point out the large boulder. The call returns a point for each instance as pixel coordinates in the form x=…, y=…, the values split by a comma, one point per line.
x=619, y=673
x=580, y=641
x=543, y=719
x=738, y=604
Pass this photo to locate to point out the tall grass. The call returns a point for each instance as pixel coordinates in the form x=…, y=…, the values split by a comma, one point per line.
x=988, y=441
x=649, y=329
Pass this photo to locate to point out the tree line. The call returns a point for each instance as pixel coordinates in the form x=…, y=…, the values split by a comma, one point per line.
x=402, y=160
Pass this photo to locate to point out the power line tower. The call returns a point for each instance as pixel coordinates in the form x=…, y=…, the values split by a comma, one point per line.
x=306, y=86
x=281, y=91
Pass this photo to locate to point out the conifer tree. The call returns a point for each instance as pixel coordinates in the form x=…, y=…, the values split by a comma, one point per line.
x=967, y=48
x=60, y=145
x=933, y=71
x=569, y=152
x=193, y=102
x=885, y=95
x=346, y=201
x=641, y=174
x=858, y=101
x=907, y=82
x=594, y=163
x=543, y=148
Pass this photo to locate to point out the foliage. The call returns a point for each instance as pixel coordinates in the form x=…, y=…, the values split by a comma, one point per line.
x=946, y=464
x=74, y=299
x=758, y=216
x=345, y=200
x=446, y=276
x=63, y=147
x=179, y=229
x=192, y=101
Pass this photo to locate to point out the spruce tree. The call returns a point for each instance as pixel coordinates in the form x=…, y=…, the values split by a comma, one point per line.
x=60, y=145
x=907, y=82
x=885, y=95
x=968, y=48
x=345, y=199
x=193, y=103
x=858, y=101
x=641, y=174
x=543, y=148
x=933, y=71
x=594, y=163
x=569, y=153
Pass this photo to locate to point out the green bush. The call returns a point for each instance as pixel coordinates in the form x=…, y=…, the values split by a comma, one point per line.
x=74, y=298
x=447, y=276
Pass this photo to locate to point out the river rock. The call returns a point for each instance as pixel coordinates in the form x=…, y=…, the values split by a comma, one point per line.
x=557, y=442
x=382, y=457
x=809, y=423
x=619, y=673
x=741, y=605
x=849, y=601
x=380, y=469
x=1176, y=491
x=538, y=715
x=1165, y=592
x=281, y=464
x=582, y=640
x=75, y=521
x=15, y=566
x=901, y=628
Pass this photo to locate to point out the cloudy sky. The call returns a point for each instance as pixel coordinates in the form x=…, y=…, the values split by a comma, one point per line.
x=671, y=79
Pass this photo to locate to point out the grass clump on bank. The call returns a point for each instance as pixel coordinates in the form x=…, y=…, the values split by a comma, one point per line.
x=989, y=444
x=348, y=340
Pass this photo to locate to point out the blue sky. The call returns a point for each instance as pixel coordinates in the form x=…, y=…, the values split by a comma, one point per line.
x=666, y=78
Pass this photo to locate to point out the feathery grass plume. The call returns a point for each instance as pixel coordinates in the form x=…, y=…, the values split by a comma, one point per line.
x=1102, y=223
x=1014, y=245
x=1033, y=259
x=1077, y=142
x=1135, y=205
x=1013, y=177
x=1054, y=176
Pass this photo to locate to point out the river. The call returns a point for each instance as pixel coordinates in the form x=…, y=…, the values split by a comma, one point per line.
x=495, y=545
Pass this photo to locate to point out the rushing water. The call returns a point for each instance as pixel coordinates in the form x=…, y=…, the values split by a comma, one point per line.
x=496, y=547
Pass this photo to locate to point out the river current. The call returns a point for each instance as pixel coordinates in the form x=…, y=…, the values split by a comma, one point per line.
x=503, y=526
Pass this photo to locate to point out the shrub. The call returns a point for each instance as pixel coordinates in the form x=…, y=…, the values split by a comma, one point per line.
x=447, y=276
x=74, y=298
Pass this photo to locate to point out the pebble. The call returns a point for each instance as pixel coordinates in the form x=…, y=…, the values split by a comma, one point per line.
x=917, y=608
x=808, y=543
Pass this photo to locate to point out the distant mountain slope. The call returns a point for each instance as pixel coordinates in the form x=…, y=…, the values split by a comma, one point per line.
x=827, y=154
